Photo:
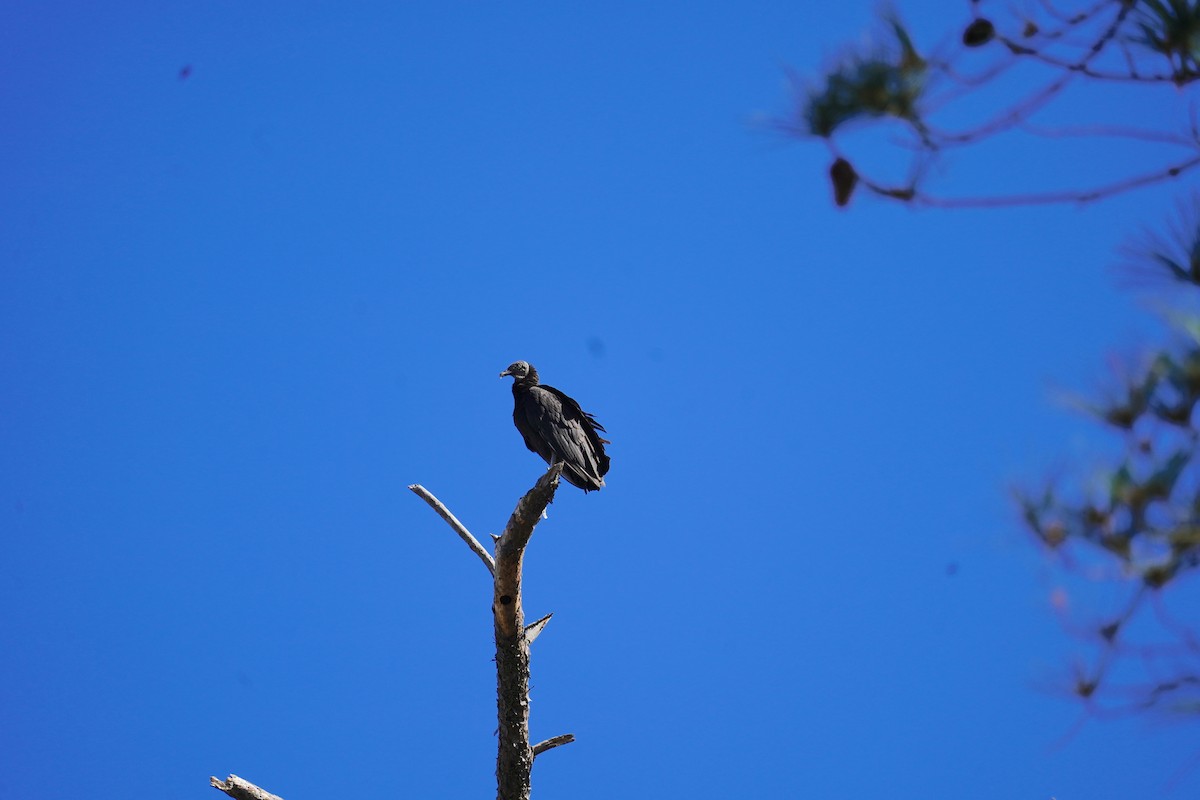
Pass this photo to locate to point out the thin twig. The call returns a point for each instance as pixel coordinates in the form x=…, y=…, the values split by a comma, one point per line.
x=1069, y=23
x=1036, y=199
x=1185, y=634
x=1072, y=19
x=1027, y=107
x=1180, y=77
x=1108, y=653
x=458, y=527
x=240, y=789
x=550, y=744
x=1013, y=116
x=1109, y=131
x=964, y=83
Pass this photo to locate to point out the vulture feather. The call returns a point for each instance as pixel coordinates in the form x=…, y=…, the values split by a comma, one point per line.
x=557, y=429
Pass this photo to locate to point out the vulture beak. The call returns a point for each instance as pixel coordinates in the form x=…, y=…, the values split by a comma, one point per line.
x=505, y=373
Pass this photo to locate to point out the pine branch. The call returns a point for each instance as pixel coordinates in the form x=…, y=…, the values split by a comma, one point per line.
x=1077, y=196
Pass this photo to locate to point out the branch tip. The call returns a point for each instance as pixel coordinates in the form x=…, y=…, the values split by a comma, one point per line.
x=455, y=525
x=240, y=789
x=533, y=629
x=552, y=743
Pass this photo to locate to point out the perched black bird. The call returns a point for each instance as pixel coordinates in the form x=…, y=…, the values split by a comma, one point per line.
x=557, y=429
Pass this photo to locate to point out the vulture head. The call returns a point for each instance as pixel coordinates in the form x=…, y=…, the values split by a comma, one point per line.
x=520, y=371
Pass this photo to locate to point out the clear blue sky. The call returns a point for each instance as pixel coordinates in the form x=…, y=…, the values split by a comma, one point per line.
x=243, y=310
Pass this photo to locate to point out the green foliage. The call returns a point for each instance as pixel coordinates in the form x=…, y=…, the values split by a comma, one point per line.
x=1137, y=522
x=1140, y=521
x=887, y=82
x=1177, y=253
x=1150, y=505
x=1171, y=28
x=925, y=98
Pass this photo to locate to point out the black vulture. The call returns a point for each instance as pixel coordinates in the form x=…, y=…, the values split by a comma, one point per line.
x=557, y=429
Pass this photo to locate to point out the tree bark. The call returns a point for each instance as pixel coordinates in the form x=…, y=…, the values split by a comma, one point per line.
x=514, y=761
x=240, y=789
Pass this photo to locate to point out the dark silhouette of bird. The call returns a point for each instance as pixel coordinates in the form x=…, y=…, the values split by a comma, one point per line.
x=557, y=429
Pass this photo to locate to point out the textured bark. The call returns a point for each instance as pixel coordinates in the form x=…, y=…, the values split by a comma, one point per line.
x=550, y=744
x=240, y=789
x=514, y=761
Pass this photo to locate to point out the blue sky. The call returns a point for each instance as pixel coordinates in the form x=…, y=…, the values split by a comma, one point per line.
x=245, y=309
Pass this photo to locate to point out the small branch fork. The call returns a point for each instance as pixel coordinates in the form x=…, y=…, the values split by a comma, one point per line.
x=514, y=761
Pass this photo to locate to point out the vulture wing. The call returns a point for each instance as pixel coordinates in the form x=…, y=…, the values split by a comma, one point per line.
x=526, y=414
x=562, y=430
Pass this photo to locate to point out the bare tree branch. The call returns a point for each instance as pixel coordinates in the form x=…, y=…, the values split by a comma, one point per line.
x=1113, y=131
x=514, y=762
x=1069, y=23
x=1179, y=77
x=240, y=789
x=458, y=527
x=1013, y=116
x=1024, y=109
x=533, y=629
x=1082, y=196
x=552, y=743
x=910, y=194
